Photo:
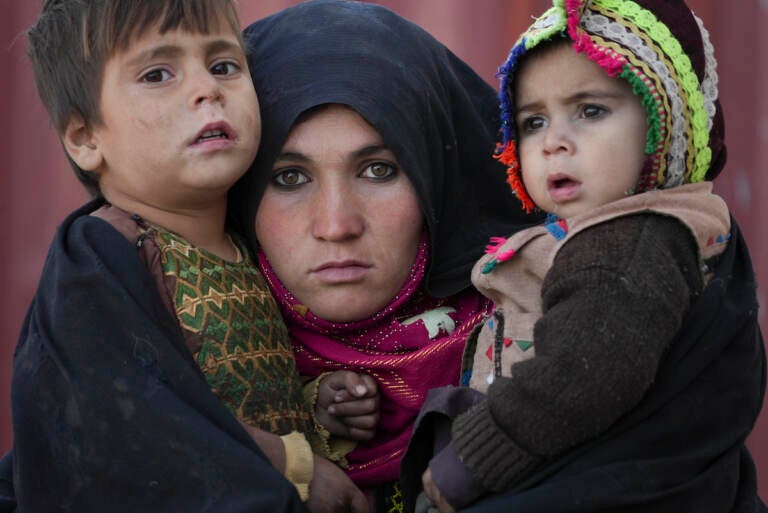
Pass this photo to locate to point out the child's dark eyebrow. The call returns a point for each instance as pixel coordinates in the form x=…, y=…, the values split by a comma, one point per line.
x=222, y=45
x=594, y=94
x=172, y=51
x=527, y=106
x=156, y=52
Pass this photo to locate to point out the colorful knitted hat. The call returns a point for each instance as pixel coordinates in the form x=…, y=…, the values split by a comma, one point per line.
x=663, y=50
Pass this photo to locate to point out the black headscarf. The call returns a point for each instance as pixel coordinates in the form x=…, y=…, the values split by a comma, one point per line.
x=437, y=115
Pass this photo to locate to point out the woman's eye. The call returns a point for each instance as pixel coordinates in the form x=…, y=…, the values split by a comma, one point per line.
x=155, y=76
x=289, y=178
x=592, y=111
x=379, y=170
x=225, y=68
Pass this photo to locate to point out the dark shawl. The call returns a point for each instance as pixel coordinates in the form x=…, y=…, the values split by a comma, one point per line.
x=110, y=412
x=7, y=495
x=682, y=448
x=437, y=115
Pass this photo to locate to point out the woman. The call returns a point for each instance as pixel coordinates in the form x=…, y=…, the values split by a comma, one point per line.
x=373, y=194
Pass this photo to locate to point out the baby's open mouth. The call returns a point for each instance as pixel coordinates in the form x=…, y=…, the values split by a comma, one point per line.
x=559, y=183
x=563, y=188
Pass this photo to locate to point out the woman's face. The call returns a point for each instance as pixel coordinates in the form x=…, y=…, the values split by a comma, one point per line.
x=339, y=221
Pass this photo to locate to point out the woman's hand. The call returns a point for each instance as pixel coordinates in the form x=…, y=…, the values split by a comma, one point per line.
x=348, y=405
x=433, y=493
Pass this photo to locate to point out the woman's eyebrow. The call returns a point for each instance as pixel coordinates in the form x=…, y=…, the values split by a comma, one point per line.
x=293, y=156
x=367, y=151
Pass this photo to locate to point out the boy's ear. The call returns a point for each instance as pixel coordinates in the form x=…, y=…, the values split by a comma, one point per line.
x=82, y=144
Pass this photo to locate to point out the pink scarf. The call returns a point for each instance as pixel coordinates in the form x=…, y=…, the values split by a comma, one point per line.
x=405, y=356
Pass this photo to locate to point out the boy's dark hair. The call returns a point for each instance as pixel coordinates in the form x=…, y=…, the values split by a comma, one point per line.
x=73, y=39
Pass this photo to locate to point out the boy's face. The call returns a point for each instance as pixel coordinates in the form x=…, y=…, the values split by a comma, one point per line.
x=581, y=133
x=180, y=120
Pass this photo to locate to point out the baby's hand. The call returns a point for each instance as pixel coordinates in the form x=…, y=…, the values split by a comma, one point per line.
x=348, y=405
x=433, y=493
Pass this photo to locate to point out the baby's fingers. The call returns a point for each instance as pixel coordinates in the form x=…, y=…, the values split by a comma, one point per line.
x=358, y=386
x=361, y=435
x=355, y=408
x=361, y=428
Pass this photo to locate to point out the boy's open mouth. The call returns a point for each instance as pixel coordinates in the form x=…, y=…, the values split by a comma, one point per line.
x=214, y=132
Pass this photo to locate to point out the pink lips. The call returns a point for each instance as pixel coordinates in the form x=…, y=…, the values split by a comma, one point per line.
x=341, y=272
x=214, y=136
x=563, y=188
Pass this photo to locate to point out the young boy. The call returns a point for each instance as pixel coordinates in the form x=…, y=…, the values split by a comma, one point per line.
x=598, y=383
x=153, y=347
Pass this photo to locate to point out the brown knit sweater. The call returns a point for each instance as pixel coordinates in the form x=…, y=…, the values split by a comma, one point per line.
x=611, y=303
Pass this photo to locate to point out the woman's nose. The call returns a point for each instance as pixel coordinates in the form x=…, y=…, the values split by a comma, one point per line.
x=337, y=215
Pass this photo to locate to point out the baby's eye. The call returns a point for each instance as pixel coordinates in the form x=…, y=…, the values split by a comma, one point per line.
x=225, y=68
x=379, y=171
x=155, y=76
x=289, y=178
x=593, y=111
x=533, y=123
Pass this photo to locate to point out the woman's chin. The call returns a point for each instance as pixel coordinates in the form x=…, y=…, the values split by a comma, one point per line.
x=345, y=308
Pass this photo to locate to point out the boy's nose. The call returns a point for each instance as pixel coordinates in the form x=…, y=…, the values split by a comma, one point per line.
x=336, y=216
x=206, y=89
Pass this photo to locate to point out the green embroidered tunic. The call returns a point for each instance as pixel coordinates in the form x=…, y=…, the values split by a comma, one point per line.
x=236, y=333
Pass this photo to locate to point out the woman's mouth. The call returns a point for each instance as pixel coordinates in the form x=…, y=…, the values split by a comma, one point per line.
x=341, y=272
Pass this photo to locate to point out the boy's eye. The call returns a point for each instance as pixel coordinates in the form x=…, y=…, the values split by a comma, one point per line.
x=379, y=171
x=155, y=76
x=592, y=111
x=225, y=68
x=289, y=178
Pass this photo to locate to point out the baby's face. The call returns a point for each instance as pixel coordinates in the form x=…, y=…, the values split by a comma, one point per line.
x=581, y=134
x=180, y=119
